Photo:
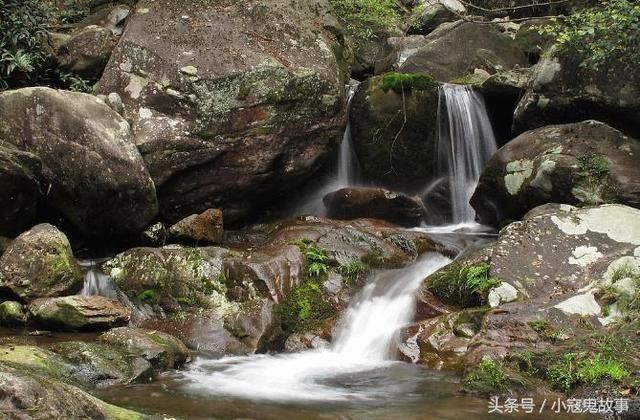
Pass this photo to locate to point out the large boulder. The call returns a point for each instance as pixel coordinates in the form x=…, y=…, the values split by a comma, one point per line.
x=562, y=91
x=375, y=203
x=229, y=111
x=581, y=164
x=92, y=172
x=430, y=14
x=457, y=49
x=79, y=312
x=392, y=151
x=19, y=189
x=571, y=267
x=40, y=263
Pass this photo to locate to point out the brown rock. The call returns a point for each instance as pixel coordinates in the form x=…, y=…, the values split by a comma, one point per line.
x=206, y=227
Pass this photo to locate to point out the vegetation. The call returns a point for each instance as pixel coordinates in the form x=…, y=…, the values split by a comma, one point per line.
x=317, y=262
x=305, y=308
x=487, y=378
x=365, y=18
x=352, y=269
x=547, y=331
x=576, y=368
x=463, y=285
x=22, y=31
x=24, y=58
x=602, y=37
x=627, y=304
x=399, y=82
x=593, y=166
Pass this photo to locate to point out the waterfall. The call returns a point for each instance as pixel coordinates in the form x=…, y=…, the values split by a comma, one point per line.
x=466, y=142
x=365, y=342
x=346, y=171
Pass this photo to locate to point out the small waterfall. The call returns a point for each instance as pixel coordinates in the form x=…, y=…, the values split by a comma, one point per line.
x=365, y=342
x=369, y=327
x=346, y=170
x=466, y=143
x=96, y=283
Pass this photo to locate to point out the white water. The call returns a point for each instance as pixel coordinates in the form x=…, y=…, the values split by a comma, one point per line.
x=347, y=173
x=365, y=341
x=466, y=143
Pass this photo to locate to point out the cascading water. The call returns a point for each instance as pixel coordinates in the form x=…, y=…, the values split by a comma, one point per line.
x=466, y=143
x=365, y=342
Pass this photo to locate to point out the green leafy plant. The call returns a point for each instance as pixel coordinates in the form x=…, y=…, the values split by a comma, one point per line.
x=317, y=262
x=22, y=31
x=367, y=17
x=463, y=285
x=73, y=13
x=602, y=37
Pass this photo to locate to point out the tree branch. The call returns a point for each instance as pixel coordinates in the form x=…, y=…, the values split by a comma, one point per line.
x=507, y=9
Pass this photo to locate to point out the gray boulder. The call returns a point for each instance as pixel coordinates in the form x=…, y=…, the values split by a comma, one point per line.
x=562, y=91
x=79, y=312
x=580, y=164
x=229, y=111
x=92, y=172
x=457, y=49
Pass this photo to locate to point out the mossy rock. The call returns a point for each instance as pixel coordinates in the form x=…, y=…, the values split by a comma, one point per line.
x=391, y=151
x=12, y=314
x=172, y=277
x=40, y=263
x=105, y=363
x=31, y=395
x=162, y=350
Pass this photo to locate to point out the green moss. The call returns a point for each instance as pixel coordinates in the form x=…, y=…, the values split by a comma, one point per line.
x=305, y=308
x=149, y=296
x=488, y=378
x=463, y=285
x=403, y=82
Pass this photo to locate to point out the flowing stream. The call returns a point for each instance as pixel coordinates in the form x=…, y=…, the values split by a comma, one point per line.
x=466, y=142
x=365, y=341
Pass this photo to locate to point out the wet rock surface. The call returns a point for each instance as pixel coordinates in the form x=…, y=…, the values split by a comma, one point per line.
x=375, y=203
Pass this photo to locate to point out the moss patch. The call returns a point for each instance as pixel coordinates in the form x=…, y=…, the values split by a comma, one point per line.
x=488, y=378
x=403, y=82
x=305, y=308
